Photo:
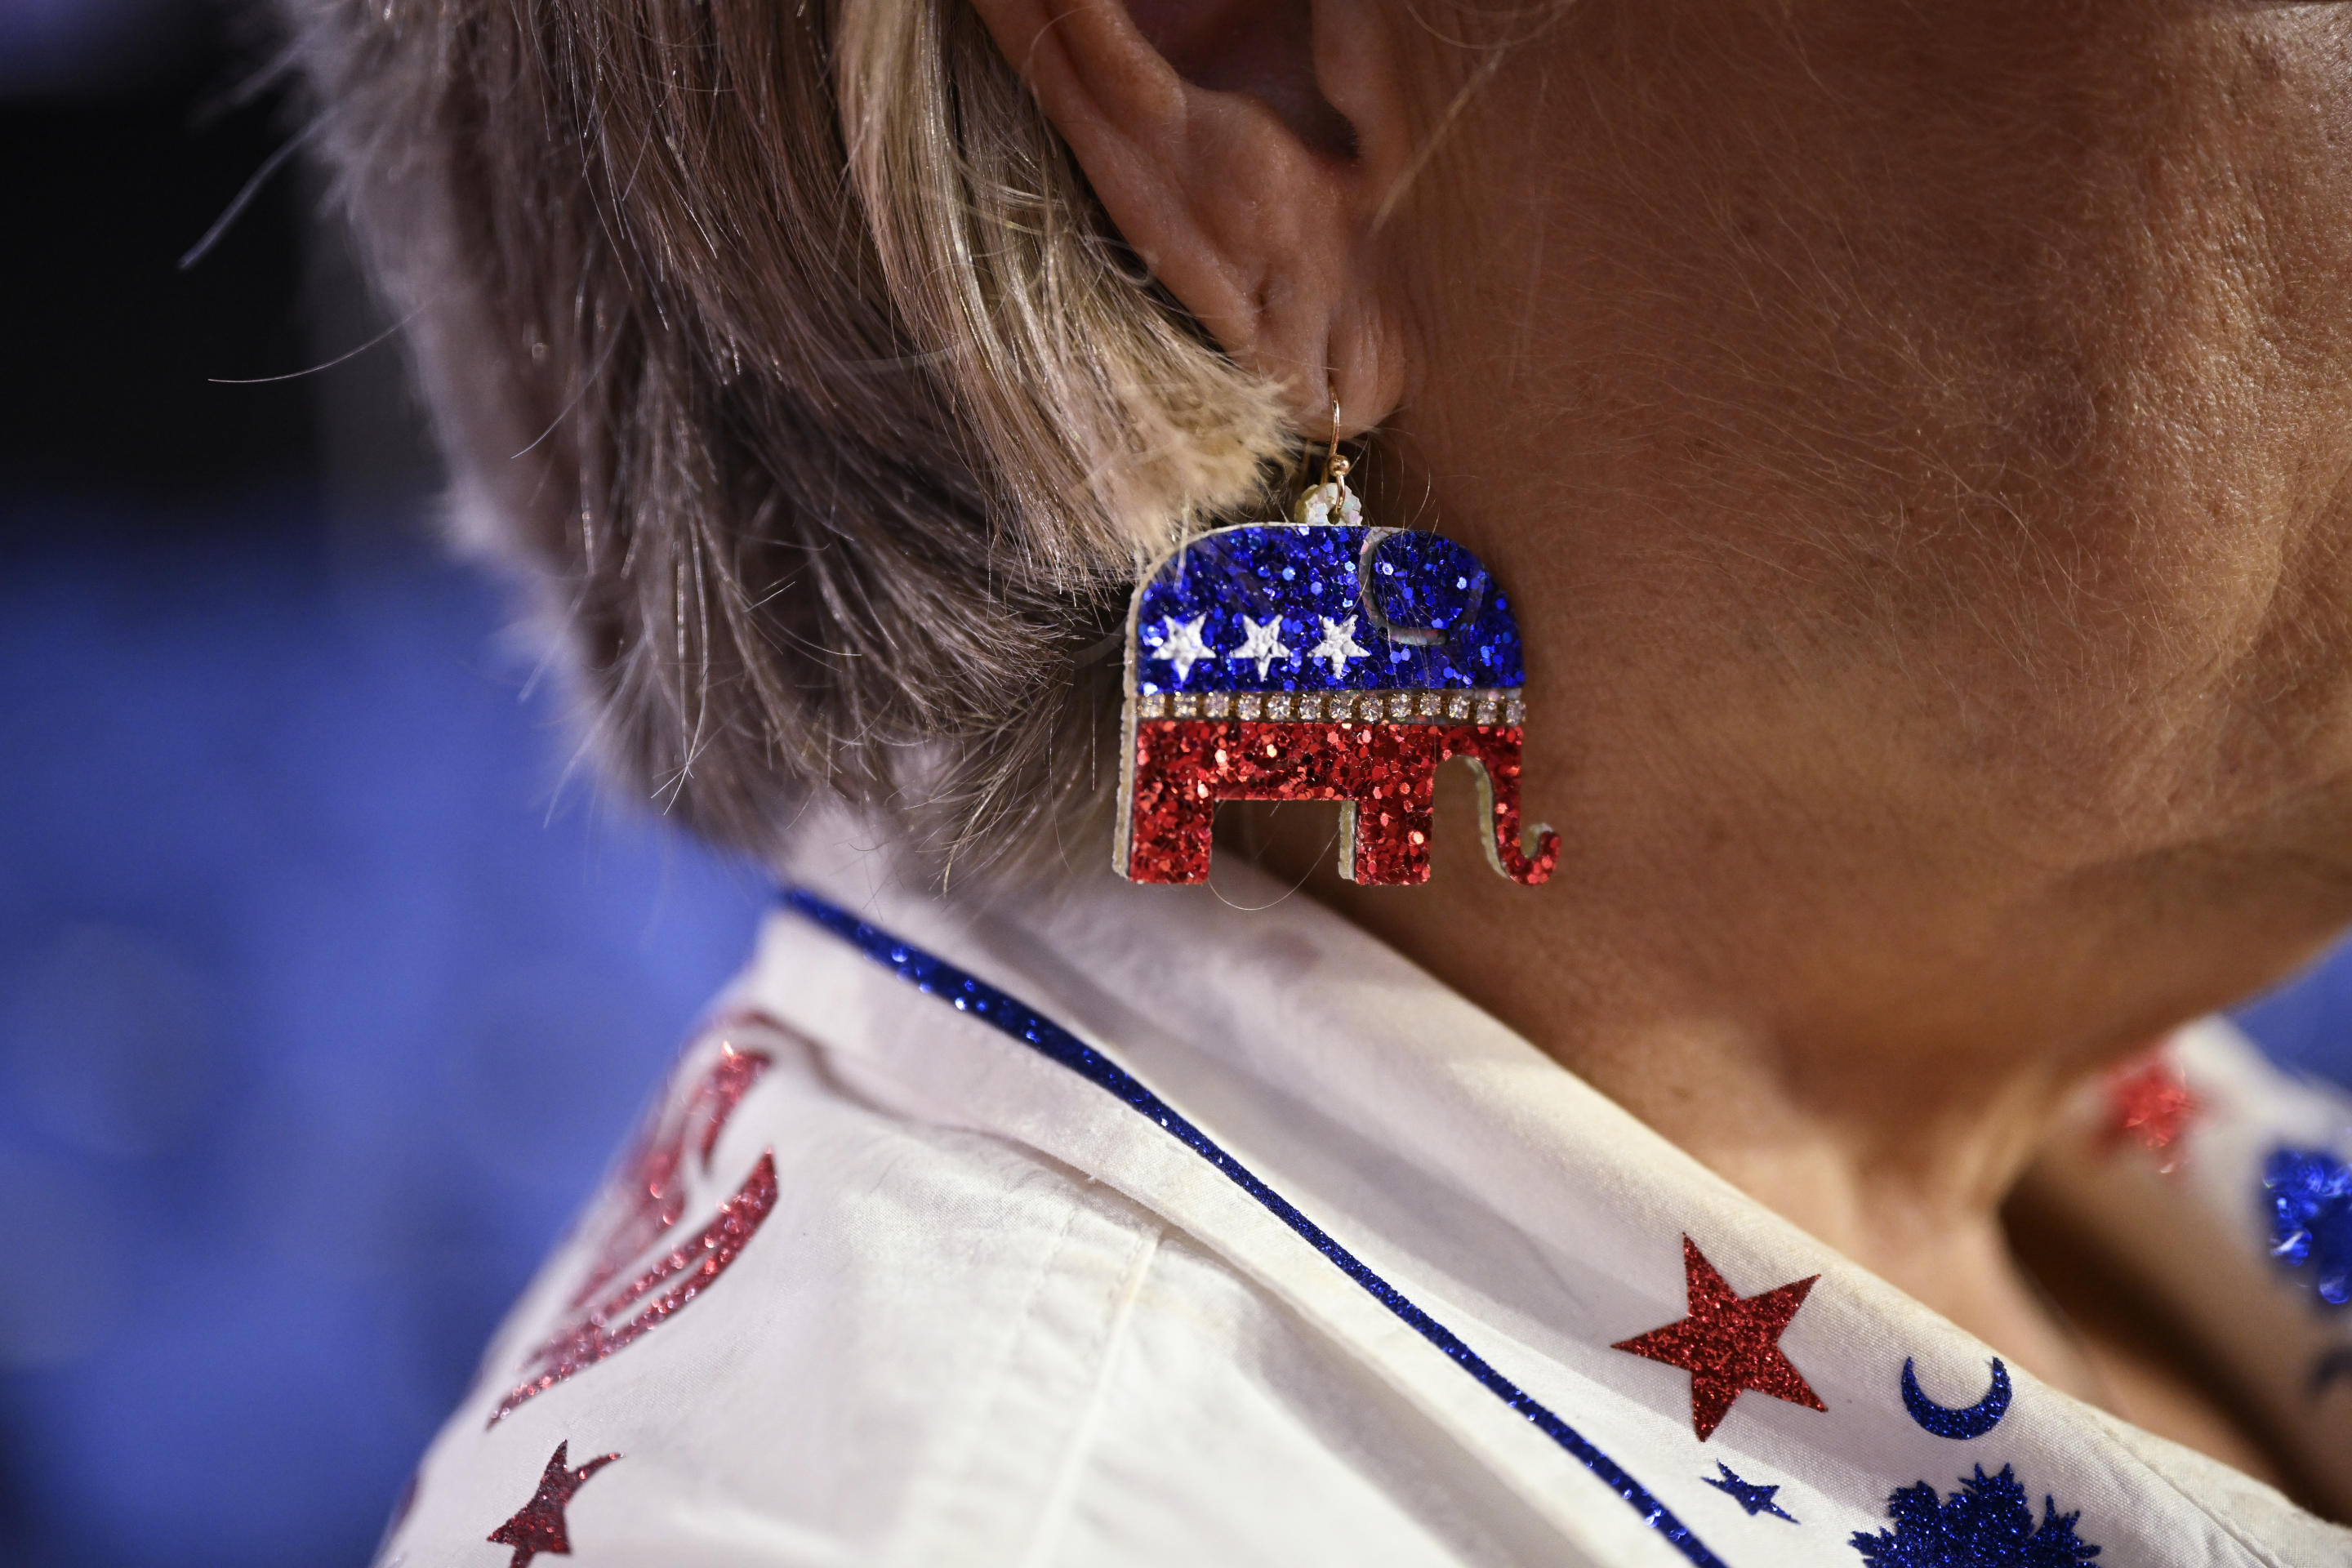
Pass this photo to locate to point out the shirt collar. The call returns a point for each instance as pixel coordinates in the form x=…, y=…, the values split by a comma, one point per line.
x=1514, y=1203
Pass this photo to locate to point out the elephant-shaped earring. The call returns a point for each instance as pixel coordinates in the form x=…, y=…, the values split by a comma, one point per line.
x=1320, y=659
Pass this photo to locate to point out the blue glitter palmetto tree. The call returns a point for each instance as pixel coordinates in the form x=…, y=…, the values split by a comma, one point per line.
x=1988, y=1523
x=2309, y=1194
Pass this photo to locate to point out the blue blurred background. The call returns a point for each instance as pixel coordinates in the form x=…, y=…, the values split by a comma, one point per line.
x=325, y=989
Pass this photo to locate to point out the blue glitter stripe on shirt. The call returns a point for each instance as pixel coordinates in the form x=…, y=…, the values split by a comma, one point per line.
x=936, y=977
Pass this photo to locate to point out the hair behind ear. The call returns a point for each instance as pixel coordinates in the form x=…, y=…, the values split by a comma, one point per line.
x=1103, y=407
x=786, y=348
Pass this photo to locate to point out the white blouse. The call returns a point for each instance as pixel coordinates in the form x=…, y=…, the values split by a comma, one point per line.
x=1127, y=1226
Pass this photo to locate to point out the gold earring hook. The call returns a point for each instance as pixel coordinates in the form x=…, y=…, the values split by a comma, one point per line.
x=1334, y=463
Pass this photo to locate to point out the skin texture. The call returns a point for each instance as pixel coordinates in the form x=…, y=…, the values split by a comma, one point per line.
x=1914, y=441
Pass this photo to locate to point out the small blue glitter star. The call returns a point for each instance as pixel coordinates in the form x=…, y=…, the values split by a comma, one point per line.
x=1756, y=1499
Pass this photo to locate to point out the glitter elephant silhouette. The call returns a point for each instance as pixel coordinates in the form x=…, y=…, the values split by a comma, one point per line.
x=1327, y=662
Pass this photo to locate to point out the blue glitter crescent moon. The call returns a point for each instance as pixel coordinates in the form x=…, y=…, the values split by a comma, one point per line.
x=1969, y=1421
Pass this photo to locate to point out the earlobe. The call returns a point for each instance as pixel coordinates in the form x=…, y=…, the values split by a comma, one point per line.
x=1208, y=131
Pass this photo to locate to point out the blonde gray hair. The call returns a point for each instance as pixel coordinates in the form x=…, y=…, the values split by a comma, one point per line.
x=785, y=347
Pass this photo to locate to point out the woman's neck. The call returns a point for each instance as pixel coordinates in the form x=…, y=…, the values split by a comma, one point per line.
x=1810, y=1054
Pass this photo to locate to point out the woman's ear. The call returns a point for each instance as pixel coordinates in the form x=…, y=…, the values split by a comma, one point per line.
x=1243, y=149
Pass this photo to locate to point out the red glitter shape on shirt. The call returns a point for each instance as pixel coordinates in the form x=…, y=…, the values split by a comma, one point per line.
x=1384, y=773
x=655, y=1179
x=1730, y=1343
x=695, y=1266
x=2151, y=1104
x=538, y=1526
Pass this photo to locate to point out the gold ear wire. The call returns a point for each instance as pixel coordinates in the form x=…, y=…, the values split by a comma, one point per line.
x=1317, y=502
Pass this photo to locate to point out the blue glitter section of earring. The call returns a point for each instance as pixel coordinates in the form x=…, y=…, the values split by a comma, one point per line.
x=1988, y=1523
x=2309, y=1194
x=1755, y=1498
x=1427, y=615
x=1964, y=1422
x=936, y=977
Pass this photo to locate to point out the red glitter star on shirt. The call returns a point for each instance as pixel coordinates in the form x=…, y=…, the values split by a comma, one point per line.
x=1730, y=1343
x=538, y=1525
x=2152, y=1105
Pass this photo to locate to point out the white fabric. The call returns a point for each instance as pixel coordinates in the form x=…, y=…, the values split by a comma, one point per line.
x=999, y=1316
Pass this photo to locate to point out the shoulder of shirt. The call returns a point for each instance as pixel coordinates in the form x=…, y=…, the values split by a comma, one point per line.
x=907, y=1317
x=933, y=1345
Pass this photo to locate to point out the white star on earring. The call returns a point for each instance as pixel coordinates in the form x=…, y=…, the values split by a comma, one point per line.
x=1261, y=643
x=1338, y=645
x=1182, y=646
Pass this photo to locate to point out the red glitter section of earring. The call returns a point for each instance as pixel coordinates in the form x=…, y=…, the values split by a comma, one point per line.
x=1184, y=767
x=2150, y=1103
x=538, y=1525
x=694, y=1266
x=655, y=1179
